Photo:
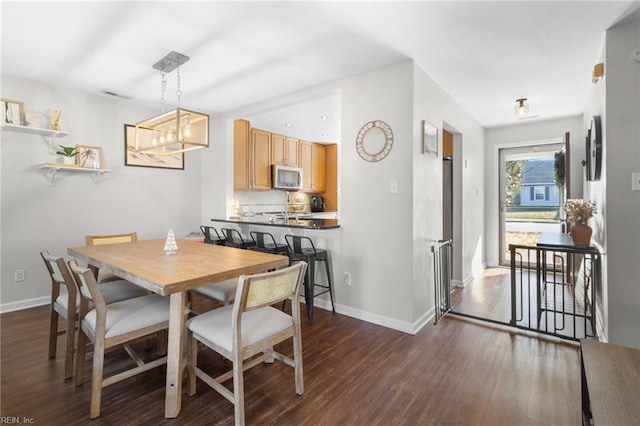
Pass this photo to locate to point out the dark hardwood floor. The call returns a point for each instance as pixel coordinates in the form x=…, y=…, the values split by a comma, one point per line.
x=458, y=372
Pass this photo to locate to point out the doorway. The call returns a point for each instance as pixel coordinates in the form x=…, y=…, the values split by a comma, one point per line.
x=530, y=199
x=452, y=198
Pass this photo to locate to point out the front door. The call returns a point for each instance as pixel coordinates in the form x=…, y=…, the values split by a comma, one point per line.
x=530, y=200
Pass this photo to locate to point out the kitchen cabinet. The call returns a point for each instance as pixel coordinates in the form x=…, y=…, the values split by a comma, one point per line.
x=312, y=160
x=261, y=161
x=284, y=150
x=251, y=157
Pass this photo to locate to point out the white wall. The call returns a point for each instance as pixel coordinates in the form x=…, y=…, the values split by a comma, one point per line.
x=617, y=228
x=535, y=132
x=433, y=104
x=36, y=216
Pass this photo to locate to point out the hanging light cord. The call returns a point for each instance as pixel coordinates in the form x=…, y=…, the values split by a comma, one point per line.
x=178, y=91
x=164, y=89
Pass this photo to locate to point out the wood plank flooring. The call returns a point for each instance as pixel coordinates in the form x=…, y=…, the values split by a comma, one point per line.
x=355, y=373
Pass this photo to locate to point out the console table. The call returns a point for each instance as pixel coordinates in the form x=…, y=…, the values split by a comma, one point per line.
x=610, y=384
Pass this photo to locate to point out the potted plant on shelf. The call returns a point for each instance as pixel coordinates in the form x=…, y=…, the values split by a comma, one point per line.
x=68, y=154
x=578, y=213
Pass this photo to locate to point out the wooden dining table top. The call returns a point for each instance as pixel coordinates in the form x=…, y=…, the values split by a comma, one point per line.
x=194, y=264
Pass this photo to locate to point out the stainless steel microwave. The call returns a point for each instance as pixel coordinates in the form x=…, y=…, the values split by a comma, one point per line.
x=285, y=177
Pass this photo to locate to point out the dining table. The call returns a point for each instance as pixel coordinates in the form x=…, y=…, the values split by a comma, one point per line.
x=173, y=273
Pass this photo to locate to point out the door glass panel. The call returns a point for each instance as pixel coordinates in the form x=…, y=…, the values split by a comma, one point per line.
x=530, y=200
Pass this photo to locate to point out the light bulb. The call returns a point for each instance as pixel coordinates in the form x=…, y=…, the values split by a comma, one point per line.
x=522, y=107
x=154, y=138
x=171, y=137
x=162, y=138
x=187, y=128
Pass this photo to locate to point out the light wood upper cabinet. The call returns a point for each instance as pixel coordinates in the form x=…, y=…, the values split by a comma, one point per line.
x=284, y=150
x=312, y=160
x=292, y=152
x=331, y=179
x=241, y=154
x=261, y=161
x=251, y=157
x=318, y=164
x=305, y=162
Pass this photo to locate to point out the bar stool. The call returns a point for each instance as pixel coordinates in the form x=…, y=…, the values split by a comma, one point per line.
x=267, y=247
x=235, y=239
x=211, y=236
x=302, y=248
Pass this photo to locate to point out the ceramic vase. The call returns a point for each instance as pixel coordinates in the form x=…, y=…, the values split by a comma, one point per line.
x=581, y=235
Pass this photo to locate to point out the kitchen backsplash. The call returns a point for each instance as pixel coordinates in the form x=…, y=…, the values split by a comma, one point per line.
x=274, y=201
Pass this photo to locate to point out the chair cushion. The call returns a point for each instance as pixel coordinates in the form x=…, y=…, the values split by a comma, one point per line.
x=216, y=326
x=224, y=291
x=132, y=314
x=113, y=291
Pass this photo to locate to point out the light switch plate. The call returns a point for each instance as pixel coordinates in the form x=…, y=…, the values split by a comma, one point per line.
x=635, y=185
x=394, y=186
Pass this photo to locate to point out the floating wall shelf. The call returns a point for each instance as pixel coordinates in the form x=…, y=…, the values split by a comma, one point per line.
x=49, y=136
x=52, y=169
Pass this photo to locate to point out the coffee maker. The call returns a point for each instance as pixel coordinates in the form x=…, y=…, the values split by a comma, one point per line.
x=317, y=203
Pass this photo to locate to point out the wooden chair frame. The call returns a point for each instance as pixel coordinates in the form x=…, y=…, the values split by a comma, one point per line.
x=248, y=286
x=60, y=275
x=88, y=288
x=95, y=240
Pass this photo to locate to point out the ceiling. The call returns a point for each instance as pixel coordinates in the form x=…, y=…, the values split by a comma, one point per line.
x=484, y=54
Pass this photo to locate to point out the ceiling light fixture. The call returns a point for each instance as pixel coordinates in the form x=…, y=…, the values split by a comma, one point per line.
x=522, y=107
x=178, y=130
x=323, y=117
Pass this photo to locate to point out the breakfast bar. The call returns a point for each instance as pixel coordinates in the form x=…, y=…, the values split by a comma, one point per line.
x=299, y=221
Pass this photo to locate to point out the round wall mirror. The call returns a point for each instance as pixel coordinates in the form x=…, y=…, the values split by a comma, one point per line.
x=374, y=141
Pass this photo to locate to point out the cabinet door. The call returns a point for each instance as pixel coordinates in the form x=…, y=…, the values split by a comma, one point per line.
x=319, y=161
x=261, y=156
x=305, y=162
x=278, y=150
x=291, y=152
x=241, y=154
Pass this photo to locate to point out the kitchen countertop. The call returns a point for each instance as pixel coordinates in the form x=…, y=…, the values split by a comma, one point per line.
x=306, y=222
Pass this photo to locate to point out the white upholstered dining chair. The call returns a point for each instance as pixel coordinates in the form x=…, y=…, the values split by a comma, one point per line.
x=65, y=301
x=247, y=328
x=114, y=324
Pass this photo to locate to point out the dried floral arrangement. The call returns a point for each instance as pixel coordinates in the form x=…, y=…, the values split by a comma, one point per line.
x=580, y=211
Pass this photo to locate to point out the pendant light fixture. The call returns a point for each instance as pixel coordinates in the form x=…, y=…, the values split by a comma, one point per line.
x=522, y=108
x=177, y=131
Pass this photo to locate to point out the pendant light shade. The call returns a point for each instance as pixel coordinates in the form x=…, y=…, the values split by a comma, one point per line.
x=177, y=131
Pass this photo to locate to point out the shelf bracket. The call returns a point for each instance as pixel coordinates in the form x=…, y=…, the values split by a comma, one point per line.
x=50, y=141
x=96, y=177
x=51, y=176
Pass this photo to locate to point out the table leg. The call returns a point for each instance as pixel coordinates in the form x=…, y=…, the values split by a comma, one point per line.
x=175, y=361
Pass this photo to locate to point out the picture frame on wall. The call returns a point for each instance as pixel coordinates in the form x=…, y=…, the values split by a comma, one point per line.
x=90, y=157
x=12, y=112
x=145, y=159
x=429, y=139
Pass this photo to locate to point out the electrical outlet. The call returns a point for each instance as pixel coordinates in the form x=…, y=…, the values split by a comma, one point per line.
x=347, y=278
x=19, y=275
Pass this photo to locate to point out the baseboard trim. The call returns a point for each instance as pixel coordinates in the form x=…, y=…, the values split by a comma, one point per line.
x=24, y=304
x=403, y=326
